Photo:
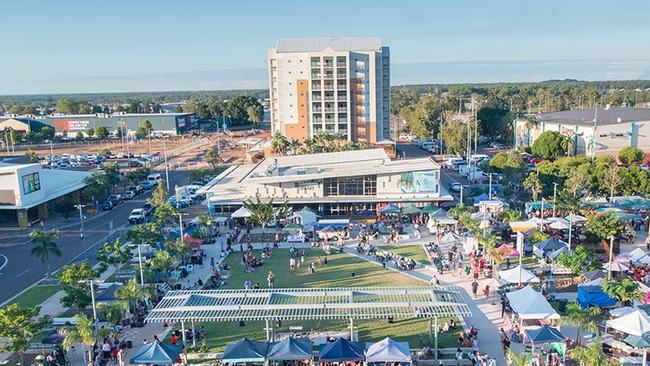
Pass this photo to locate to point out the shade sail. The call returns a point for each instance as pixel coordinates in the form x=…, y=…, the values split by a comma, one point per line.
x=576, y=219
x=388, y=350
x=410, y=210
x=593, y=296
x=636, y=323
x=245, y=350
x=530, y=304
x=543, y=334
x=390, y=209
x=522, y=226
x=156, y=353
x=290, y=349
x=481, y=197
x=292, y=227
x=341, y=350
x=512, y=275
x=241, y=213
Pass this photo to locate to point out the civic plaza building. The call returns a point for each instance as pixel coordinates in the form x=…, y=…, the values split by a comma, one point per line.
x=338, y=85
x=594, y=131
x=350, y=183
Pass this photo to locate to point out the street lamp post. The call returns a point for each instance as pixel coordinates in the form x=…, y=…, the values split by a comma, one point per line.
x=611, y=257
x=490, y=187
x=81, y=227
x=94, y=304
x=166, y=164
x=140, y=263
x=554, y=197
x=461, y=194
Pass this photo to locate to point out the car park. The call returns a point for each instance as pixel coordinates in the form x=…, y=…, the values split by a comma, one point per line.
x=137, y=216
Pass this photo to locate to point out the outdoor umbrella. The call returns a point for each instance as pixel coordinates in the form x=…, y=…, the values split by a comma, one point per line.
x=245, y=350
x=429, y=209
x=290, y=349
x=410, y=210
x=437, y=215
x=576, y=219
x=341, y=350
x=54, y=338
x=390, y=209
x=156, y=353
x=505, y=251
x=640, y=343
x=616, y=266
x=450, y=238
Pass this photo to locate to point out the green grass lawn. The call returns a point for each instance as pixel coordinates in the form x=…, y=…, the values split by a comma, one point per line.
x=338, y=273
x=415, y=252
x=36, y=295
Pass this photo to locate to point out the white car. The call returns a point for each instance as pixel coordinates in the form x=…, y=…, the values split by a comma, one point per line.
x=137, y=216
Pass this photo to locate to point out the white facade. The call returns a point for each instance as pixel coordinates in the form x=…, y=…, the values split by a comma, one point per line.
x=330, y=182
x=331, y=86
x=605, y=131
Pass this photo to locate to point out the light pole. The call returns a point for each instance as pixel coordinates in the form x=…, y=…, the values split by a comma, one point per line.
x=180, y=222
x=570, y=230
x=461, y=194
x=554, y=197
x=81, y=227
x=611, y=257
x=490, y=187
x=92, y=298
x=166, y=164
x=140, y=263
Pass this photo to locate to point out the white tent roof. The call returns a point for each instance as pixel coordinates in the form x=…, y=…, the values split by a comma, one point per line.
x=512, y=275
x=530, y=304
x=636, y=323
x=559, y=223
x=306, y=217
x=575, y=218
x=639, y=255
x=388, y=350
x=242, y=212
x=618, y=312
x=451, y=238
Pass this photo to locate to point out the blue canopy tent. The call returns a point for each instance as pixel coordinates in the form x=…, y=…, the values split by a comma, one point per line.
x=341, y=350
x=390, y=209
x=290, y=349
x=551, y=244
x=156, y=353
x=245, y=351
x=480, y=197
x=594, y=296
x=543, y=334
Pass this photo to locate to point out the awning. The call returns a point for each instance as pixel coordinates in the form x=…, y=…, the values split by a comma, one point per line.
x=558, y=223
x=505, y=251
x=292, y=227
x=341, y=350
x=291, y=349
x=390, y=209
x=637, y=342
x=156, y=353
x=388, y=350
x=245, y=350
x=530, y=304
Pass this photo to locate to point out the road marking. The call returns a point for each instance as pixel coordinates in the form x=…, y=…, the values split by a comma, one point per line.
x=6, y=261
x=22, y=273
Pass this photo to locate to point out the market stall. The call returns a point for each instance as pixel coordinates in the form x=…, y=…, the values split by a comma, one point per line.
x=245, y=351
x=388, y=351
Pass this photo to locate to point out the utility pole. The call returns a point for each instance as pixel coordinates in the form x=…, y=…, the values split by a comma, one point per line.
x=81, y=228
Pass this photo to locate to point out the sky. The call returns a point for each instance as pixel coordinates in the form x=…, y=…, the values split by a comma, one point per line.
x=70, y=46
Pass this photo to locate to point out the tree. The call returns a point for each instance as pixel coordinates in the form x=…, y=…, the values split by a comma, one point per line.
x=161, y=261
x=518, y=359
x=631, y=155
x=509, y=214
x=580, y=260
x=112, y=174
x=144, y=130
x=582, y=318
x=47, y=132
x=255, y=113
x=454, y=134
x=45, y=245
x=74, y=278
x=590, y=355
x=626, y=290
x=423, y=117
x=79, y=136
x=90, y=132
x=213, y=158
x=603, y=226
x=114, y=254
x=64, y=207
x=65, y=106
x=131, y=293
x=138, y=174
x=533, y=183
x=32, y=155
x=549, y=145
x=148, y=233
x=81, y=333
x=18, y=325
x=495, y=122
x=101, y=132
x=113, y=313
x=261, y=212
x=279, y=143
x=578, y=179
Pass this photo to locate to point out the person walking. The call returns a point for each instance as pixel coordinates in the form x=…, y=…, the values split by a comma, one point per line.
x=474, y=288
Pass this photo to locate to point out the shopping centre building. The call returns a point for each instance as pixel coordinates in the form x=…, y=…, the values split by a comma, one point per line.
x=29, y=193
x=350, y=183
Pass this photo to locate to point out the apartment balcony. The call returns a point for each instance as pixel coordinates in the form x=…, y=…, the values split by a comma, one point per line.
x=316, y=75
x=316, y=99
x=317, y=110
x=343, y=110
x=328, y=64
x=330, y=110
x=329, y=75
x=341, y=75
x=329, y=87
x=317, y=120
x=342, y=94
x=341, y=64
x=343, y=120
x=315, y=64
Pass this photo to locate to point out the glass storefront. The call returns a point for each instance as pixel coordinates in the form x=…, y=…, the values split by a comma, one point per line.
x=351, y=186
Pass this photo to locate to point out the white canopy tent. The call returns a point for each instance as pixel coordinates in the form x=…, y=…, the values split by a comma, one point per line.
x=530, y=304
x=512, y=275
x=450, y=238
x=304, y=217
x=558, y=223
x=636, y=323
x=638, y=255
x=241, y=213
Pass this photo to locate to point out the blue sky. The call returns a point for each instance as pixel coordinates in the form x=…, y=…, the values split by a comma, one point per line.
x=139, y=45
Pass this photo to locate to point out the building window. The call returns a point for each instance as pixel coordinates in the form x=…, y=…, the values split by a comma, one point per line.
x=351, y=186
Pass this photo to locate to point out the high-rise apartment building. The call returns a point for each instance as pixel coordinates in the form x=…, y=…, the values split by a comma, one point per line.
x=337, y=85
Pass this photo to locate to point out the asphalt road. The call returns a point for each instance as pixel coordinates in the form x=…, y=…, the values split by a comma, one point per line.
x=22, y=269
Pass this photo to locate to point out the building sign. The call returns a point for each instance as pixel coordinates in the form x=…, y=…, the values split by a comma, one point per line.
x=71, y=125
x=31, y=183
x=180, y=122
x=419, y=182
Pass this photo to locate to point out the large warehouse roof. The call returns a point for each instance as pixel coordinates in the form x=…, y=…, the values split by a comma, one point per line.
x=310, y=303
x=602, y=116
x=336, y=44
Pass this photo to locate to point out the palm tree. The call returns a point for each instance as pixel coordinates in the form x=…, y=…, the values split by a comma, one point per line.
x=509, y=214
x=114, y=313
x=590, y=355
x=582, y=319
x=279, y=143
x=82, y=333
x=131, y=293
x=518, y=359
x=294, y=145
x=261, y=212
x=45, y=245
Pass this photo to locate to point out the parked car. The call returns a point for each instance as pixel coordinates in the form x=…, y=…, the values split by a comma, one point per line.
x=135, y=163
x=179, y=203
x=137, y=216
x=115, y=199
x=129, y=195
x=107, y=205
x=455, y=187
x=137, y=189
x=147, y=184
x=148, y=209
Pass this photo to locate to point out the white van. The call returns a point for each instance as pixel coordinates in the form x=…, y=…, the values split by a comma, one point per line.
x=155, y=177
